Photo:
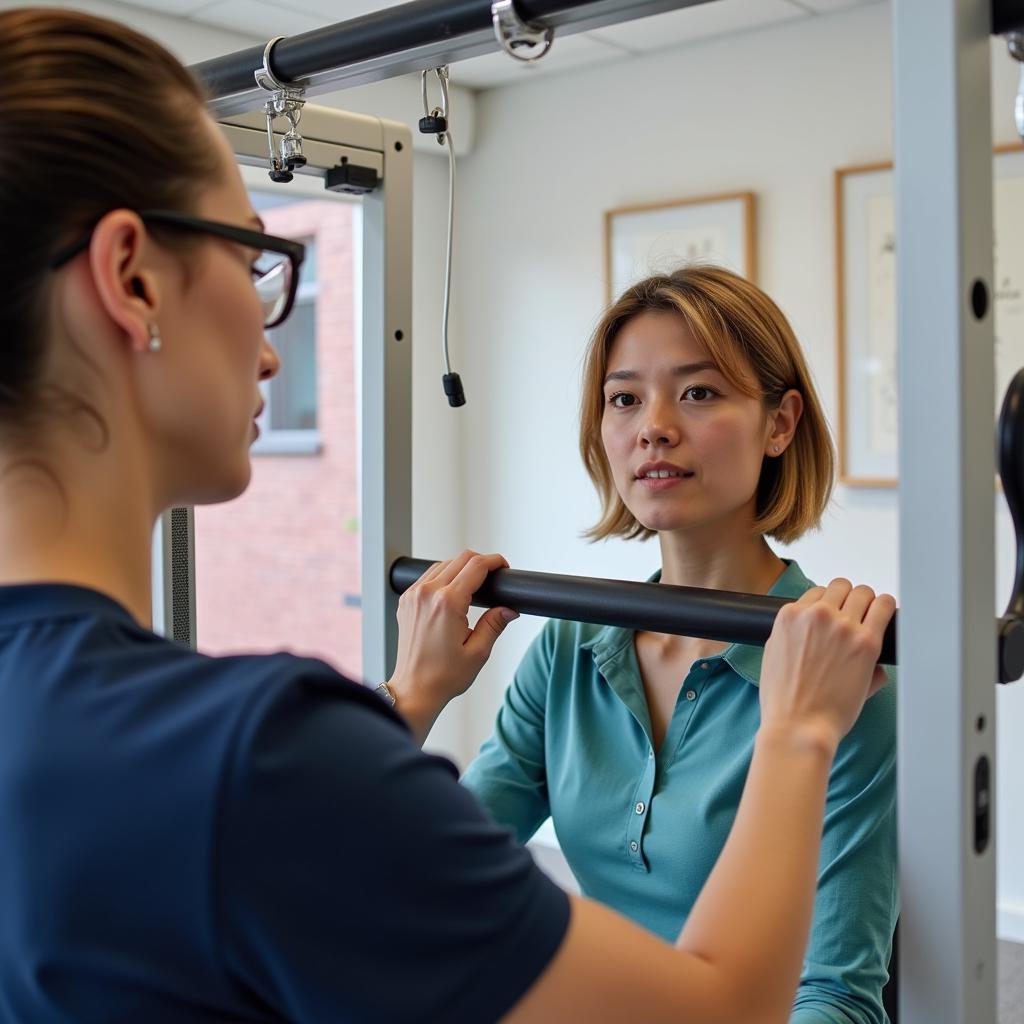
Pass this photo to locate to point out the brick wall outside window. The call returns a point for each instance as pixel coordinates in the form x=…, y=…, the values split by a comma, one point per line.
x=279, y=567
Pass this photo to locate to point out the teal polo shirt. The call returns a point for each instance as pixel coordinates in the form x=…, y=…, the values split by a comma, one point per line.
x=642, y=829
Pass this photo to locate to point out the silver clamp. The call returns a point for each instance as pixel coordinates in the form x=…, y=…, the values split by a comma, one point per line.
x=286, y=100
x=515, y=35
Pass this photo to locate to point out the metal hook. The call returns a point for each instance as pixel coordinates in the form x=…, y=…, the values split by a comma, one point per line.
x=286, y=100
x=442, y=77
x=513, y=33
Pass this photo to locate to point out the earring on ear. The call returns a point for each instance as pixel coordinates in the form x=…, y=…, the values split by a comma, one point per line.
x=155, y=341
x=775, y=449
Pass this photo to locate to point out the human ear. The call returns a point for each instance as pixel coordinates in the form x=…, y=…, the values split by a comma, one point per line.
x=782, y=422
x=125, y=283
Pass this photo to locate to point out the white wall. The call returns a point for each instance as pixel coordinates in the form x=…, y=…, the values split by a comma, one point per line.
x=773, y=111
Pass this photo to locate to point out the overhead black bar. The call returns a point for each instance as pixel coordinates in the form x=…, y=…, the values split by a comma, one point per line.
x=658, y=607
x=1007, y=16
x=397, y=40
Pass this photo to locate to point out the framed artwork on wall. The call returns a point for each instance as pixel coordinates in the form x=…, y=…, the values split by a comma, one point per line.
x=660, y=237
x=866, y=309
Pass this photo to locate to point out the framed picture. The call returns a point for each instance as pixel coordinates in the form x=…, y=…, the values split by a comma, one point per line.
x=660, y=237
x=866, y=309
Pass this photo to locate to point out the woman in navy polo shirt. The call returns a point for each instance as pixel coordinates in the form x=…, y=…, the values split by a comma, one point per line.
x=256, y=838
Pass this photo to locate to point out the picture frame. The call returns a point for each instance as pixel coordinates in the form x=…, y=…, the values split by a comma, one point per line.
x=866, y=309
x=654, y=238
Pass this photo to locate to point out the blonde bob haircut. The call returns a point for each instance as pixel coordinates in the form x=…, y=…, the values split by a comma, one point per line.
x=742, y=331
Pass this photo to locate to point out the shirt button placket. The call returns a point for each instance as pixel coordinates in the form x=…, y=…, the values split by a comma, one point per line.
x=638, y=812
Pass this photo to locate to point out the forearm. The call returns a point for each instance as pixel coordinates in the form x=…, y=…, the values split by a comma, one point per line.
x=419, y=713
x=753, y=916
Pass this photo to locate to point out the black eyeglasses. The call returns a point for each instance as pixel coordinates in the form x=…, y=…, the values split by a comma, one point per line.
x=275, y=272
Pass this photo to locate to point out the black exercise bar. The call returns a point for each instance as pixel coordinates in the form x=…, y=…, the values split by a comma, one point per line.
x=410, y=37
x=657, y=607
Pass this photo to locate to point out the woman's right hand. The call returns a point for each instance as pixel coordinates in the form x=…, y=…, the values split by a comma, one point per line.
x=439, y=654
x=821, y=661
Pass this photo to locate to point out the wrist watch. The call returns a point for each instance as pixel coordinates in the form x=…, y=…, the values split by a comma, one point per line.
x=385, y=693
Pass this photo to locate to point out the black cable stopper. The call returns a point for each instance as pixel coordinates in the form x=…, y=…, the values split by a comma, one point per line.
x=453, y=389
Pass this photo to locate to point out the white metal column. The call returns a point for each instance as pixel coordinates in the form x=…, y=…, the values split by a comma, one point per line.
x=947, y=639
x=386, y=421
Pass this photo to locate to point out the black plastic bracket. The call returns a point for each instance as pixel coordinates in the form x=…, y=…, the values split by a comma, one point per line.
x=351, y=178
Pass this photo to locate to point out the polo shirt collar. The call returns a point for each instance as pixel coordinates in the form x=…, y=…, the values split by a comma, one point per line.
x=745, y=660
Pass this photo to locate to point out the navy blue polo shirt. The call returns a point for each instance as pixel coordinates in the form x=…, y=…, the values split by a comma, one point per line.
x=186, y=838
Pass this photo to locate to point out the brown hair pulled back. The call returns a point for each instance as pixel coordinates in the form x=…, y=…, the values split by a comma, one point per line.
x=93, y=117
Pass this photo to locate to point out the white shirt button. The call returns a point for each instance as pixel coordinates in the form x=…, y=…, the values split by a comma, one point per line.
x=705, y=666
x=640, y=807
x=691, y=694
x=634, y=846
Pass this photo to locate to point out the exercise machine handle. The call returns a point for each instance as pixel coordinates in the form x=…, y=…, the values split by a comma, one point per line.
x=658, y=607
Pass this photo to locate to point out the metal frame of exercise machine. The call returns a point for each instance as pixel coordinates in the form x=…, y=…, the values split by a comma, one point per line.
x=948, y=659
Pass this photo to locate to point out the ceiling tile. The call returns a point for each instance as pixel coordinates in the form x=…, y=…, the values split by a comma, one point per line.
x=175, y=8
x=259, y=19
x=699, y=22
x=567, y=52
x=829, y=6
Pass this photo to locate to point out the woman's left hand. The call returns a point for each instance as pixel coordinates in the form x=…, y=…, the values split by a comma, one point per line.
x=439, y=655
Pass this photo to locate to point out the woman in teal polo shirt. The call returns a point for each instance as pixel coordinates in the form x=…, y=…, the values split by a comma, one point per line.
x=700, y=425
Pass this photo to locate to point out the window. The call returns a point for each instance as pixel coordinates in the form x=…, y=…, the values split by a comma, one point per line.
x=279, y=566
